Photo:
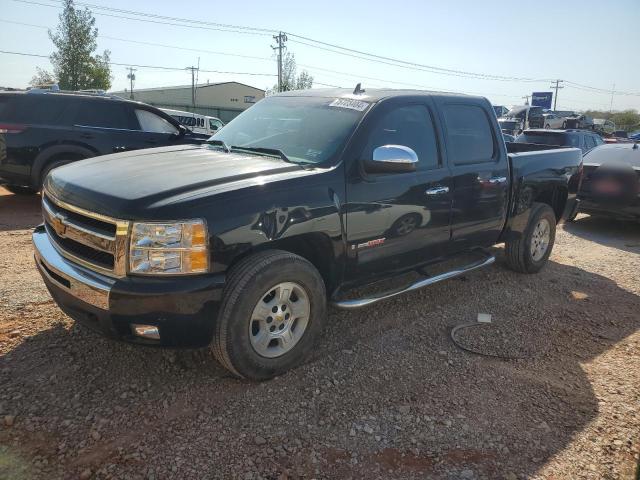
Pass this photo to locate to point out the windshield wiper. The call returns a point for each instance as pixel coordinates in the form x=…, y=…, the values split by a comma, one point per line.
x=221, y=143
x=265, y=151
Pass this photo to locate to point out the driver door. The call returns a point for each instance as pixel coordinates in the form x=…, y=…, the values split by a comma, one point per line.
x=396, y=221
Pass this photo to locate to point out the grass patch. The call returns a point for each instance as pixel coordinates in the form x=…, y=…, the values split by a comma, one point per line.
x=12, y=466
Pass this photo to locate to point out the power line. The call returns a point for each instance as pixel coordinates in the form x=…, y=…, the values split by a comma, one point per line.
x=159, y=67
x=201, y=27
x=151, y=44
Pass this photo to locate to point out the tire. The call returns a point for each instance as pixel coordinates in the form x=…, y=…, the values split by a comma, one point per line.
x=251, y=283
x=19, y=190
x=519, y=254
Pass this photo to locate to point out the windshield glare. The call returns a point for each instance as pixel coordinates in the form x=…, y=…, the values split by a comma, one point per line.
x=305, y=129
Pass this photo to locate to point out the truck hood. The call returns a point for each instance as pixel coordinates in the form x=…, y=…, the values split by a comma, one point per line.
x=124, y=184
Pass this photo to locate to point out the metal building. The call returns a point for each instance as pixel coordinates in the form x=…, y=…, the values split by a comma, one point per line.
x=224, y=100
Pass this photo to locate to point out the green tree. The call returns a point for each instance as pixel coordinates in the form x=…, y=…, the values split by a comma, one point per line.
x=42, y=77
x=74, y=64
x=290, y=79
x=628, y=120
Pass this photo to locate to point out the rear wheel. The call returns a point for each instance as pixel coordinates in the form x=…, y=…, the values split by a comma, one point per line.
x=273, y=311
x=530, y=252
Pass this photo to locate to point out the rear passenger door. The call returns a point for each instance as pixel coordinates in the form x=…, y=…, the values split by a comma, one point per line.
x=480, y=174
x=105, y=125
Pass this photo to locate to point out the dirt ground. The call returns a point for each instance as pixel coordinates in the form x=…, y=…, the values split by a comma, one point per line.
x=387, y=394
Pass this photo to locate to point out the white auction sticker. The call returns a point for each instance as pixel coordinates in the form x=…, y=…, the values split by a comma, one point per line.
x=358, y=105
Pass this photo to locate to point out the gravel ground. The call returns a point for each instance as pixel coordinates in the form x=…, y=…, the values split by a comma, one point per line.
x=386, y=395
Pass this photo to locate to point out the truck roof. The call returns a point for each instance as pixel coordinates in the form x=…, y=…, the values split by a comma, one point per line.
x=371, y=94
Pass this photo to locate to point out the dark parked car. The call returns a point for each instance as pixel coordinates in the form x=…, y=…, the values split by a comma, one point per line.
x=530, y=116
x=511, y=126
x=582, y=139
x=241, y=243
x=611, y=182
x=42, y=131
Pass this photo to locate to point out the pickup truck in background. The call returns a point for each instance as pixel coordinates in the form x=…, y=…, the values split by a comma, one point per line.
x=243, y=243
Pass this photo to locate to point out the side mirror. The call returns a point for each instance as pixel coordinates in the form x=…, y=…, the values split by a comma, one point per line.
x=392, y=159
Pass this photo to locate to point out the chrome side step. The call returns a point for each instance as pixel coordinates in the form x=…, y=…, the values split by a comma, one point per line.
x=364, y=302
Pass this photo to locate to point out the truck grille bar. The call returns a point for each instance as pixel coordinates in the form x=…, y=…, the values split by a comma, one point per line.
x=95, y=241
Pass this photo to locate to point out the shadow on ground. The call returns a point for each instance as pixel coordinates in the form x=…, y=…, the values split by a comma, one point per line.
x=19, y=211
x=464, y=412
x=621, y=234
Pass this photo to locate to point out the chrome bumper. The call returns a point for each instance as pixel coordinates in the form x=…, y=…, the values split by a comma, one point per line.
x=78, y=281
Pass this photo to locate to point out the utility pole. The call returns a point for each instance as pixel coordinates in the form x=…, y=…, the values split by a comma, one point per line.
x=556, y=87
x=611, y=104
x=131, y=76
x=526, y=99
x=281, y=38
x=193, y=84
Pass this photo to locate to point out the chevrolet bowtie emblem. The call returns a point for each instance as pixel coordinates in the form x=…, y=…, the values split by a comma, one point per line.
x=57, y=222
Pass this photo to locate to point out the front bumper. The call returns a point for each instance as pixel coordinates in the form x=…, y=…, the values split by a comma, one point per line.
x=183, y=308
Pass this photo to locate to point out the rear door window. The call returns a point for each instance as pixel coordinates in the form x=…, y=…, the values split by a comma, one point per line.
x=589, y=142
x=103, y=114
x=469, y=134
x=32, y=109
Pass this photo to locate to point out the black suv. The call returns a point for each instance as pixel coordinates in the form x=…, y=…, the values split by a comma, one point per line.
x=582, y=139
x=41, y=131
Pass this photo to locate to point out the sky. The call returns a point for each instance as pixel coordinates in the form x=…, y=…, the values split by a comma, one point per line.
x=591, y=43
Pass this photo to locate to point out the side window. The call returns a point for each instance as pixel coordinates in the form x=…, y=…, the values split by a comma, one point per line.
x=589, y=142
x=36, y=109
x=103, y=114
x=469, y=134
x=215, y=125
x=150, y=122
x=598, y=139
x=410, y=126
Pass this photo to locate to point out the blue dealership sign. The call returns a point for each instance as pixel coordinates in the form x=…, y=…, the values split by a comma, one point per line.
x=542, y=99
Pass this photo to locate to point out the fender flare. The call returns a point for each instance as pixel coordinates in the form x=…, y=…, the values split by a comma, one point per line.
x=43, y=158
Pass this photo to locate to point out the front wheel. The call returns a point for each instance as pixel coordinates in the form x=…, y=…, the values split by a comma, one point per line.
x=273, y=310
x=530, y=252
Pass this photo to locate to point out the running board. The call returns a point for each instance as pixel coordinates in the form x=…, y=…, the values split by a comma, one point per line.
x=425, y=282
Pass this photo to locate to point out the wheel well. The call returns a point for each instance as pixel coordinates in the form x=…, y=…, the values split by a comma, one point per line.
x=556, y=198
x=317, y=248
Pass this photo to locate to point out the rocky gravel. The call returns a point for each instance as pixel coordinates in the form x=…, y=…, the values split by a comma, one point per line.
x=387, y=394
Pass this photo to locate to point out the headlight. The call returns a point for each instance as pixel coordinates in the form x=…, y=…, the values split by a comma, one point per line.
x=168, y=248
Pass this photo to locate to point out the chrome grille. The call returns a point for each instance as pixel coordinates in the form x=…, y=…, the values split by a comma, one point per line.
x=95, y=241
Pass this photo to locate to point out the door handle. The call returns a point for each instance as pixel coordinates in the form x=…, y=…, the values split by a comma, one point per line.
x=437, y=190
x=497, y=180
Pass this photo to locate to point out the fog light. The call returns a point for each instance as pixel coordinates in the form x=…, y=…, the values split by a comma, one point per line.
x=146, y=331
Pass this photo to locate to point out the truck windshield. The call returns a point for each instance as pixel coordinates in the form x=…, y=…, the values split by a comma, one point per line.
x=305, y=129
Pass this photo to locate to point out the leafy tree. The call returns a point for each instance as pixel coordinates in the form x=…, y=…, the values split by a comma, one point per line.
x=74, y=64
x=289, y=79
x=42, y=77
x=304, y=81
x=628, y=120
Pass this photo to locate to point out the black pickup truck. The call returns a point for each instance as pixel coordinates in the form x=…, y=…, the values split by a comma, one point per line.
x=243, y=242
